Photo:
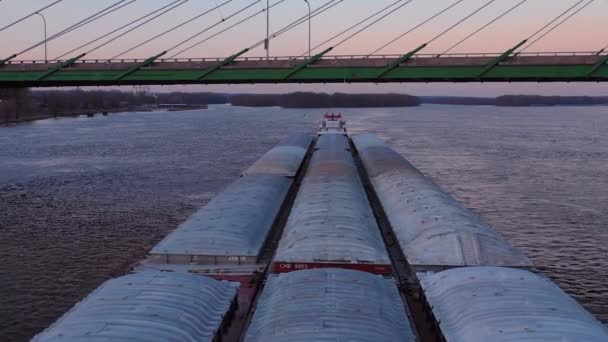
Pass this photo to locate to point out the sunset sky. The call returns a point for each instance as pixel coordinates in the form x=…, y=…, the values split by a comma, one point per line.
x=584, y=32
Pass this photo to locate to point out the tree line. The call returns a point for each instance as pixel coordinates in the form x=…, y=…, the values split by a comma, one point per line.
x=16, y=104
x=322, y=100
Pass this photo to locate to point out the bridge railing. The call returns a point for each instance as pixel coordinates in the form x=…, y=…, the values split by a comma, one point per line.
x=302, y=58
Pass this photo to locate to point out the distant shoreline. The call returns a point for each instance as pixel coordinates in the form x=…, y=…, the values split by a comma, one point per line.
x=25, y=105
x=519, y=101
x=322, y=100
x=338, y=100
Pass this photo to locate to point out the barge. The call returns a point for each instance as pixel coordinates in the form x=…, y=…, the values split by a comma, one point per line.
x=331, y=238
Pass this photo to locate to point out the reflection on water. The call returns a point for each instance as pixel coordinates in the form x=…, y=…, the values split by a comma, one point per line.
x=84, y=198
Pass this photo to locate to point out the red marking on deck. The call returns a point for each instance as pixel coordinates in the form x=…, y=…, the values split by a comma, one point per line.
x=247, y=291
x=246, y=296
x=285, y=267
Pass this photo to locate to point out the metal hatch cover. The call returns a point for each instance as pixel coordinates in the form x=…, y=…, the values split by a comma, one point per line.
x=503, y=305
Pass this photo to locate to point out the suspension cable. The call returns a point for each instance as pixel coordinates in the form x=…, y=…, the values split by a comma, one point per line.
x=184, y=23
x=417, y=26
x=29, y=15
x=563, y=21
x=97, y=15
x=180, y=3
x=602, y=50
x=502, y=15
x=357, y=24
x=555, y=19
x=372, y=23
x=224, y=30
x=241, y=10
x=219, y=10
x=461, y=21
x=118, y=29
x=325, y=7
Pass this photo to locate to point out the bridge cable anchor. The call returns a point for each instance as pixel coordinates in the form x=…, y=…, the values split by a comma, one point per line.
x=399, y=61
x=63, y=65
x=143, y=64
x=501, y=59
x=306, y=63
x=603, y=60
x=4, y=61
x=221, y=64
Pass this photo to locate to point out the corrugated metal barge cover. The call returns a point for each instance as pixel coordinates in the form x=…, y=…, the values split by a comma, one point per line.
x=284, y=159
x=504, y=304
x=147, y=307
x=329, y=305
x=283, y=267
x=433, y=229
x=234, y=223
x=331, y=220
x=378, y=157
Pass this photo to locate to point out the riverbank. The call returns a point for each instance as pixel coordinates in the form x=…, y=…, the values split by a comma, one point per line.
x=518, y=101
x=322, y=100
x=73, y=114
x=22, y=105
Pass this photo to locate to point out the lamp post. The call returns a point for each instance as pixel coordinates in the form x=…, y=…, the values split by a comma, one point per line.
x=46, y=59
x=309, y=26
x=267, y=43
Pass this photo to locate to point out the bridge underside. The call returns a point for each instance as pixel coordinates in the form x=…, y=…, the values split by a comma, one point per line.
x=587, y=68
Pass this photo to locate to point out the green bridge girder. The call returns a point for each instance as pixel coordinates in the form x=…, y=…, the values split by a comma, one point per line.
x=156, y=73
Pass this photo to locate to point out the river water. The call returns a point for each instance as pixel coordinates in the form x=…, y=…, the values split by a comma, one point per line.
x=82, y=199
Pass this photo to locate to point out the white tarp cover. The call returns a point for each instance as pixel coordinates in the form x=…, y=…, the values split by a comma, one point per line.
x=331, y=219
x=433, y=229
x=234, y=223
x=284, y=159
x=499, y=304
x=148, y=306
x=329, y=305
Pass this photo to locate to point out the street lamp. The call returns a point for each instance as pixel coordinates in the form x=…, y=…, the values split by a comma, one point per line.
x=267, y=42
x=46, y=59
x=309, y=26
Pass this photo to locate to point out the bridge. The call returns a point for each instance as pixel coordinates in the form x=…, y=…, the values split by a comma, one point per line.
x=332, y=69
x=513, y=65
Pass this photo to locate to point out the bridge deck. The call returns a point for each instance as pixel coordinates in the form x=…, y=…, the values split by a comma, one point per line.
x=354, y=62
x=541, y=68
